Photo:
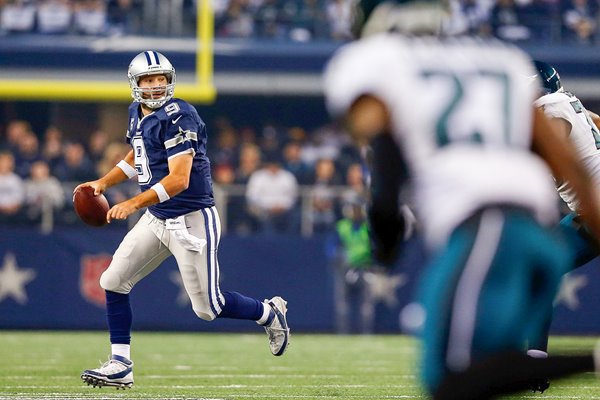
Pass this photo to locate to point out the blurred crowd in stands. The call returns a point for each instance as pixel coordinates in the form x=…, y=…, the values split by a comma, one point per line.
x=272, y=179
x=549, y=21
x=86, y=17
x=38, y=172
x=296, y=20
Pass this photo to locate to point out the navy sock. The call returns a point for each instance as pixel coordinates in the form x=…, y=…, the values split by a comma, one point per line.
x=238, y=306
x=120, y=317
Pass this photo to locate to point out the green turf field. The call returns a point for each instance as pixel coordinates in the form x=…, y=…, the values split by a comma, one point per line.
x=35, y=365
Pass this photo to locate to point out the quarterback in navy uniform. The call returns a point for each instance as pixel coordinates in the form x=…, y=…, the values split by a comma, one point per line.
x=168, y=157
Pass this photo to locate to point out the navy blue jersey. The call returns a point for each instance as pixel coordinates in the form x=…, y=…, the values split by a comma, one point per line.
x=171, y=130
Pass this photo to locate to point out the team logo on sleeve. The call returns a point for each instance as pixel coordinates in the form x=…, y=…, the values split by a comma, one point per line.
x=180, y=137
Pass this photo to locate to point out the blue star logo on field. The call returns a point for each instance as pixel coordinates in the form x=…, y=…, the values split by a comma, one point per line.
x=569, y=288
x=13, y=280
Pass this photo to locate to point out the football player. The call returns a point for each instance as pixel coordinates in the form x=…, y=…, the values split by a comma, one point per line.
x=168, y=156
x=461, y=117
x=571, y=120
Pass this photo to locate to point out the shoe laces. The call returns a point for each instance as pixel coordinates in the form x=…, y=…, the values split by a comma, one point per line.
x=111, y=367
x=276, y=330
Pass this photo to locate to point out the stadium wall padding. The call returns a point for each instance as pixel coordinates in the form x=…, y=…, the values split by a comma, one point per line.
x=51, y=282
x=81, y=53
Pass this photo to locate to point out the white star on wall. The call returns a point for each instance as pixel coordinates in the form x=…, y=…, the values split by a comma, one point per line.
x=13, y=280
x=383, y=287
x=569, y=287
x=182, y=297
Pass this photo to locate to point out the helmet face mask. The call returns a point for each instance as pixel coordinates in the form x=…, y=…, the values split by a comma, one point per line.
x=151, y=63
x=361, y=11
x=548, y=76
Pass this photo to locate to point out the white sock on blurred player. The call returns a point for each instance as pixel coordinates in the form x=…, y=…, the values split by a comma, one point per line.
x=533, y=353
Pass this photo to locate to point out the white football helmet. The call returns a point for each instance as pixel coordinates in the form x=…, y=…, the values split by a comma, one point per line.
x=416, y=17
x=151, y=63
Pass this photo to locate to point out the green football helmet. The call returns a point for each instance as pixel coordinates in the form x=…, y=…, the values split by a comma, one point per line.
x=548, y=76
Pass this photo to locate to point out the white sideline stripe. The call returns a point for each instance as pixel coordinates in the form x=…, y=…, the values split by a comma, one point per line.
x=268, y=376
x=246, y=396
x=559, y=397
x=35, y=396
x=224, y=376
x=279, y=386
x=236, y=386
x=67, y=396
x=333, y=386
x=183, y=397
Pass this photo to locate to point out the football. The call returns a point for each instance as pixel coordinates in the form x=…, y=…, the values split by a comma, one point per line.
x=91, y=209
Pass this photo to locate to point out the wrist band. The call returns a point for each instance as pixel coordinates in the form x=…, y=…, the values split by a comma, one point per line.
x=161, y=192
x=127, y=169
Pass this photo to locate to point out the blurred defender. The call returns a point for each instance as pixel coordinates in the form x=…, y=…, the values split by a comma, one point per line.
x=461, y=116
x=168, y=156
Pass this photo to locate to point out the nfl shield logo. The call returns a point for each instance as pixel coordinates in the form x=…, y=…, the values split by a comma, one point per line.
x=92, y=267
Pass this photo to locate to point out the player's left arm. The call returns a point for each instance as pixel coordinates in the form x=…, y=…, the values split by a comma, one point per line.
x=174, y=183
x=113, y=177
x=387, y=224
x=181, y=145
x=561, y=126
x=369, y=123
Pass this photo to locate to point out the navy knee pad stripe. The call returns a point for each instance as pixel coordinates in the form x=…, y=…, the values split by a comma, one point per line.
x=219, y=295
x=210, y=242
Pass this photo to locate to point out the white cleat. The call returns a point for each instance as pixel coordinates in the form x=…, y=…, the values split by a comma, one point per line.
x=116, y=372
x=277, y=330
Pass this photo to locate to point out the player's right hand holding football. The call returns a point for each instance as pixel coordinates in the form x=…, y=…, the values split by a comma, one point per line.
x=97, y=185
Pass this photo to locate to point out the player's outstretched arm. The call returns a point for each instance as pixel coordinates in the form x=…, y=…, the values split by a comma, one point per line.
x=171, y=185
x=558, y=152
x=387, y=224
x=369, y=123
x=113, y=177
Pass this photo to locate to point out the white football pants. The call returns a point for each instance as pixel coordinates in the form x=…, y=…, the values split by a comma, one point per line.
x=149, y=243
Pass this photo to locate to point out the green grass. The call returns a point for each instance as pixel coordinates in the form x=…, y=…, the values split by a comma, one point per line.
x=36, y=365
